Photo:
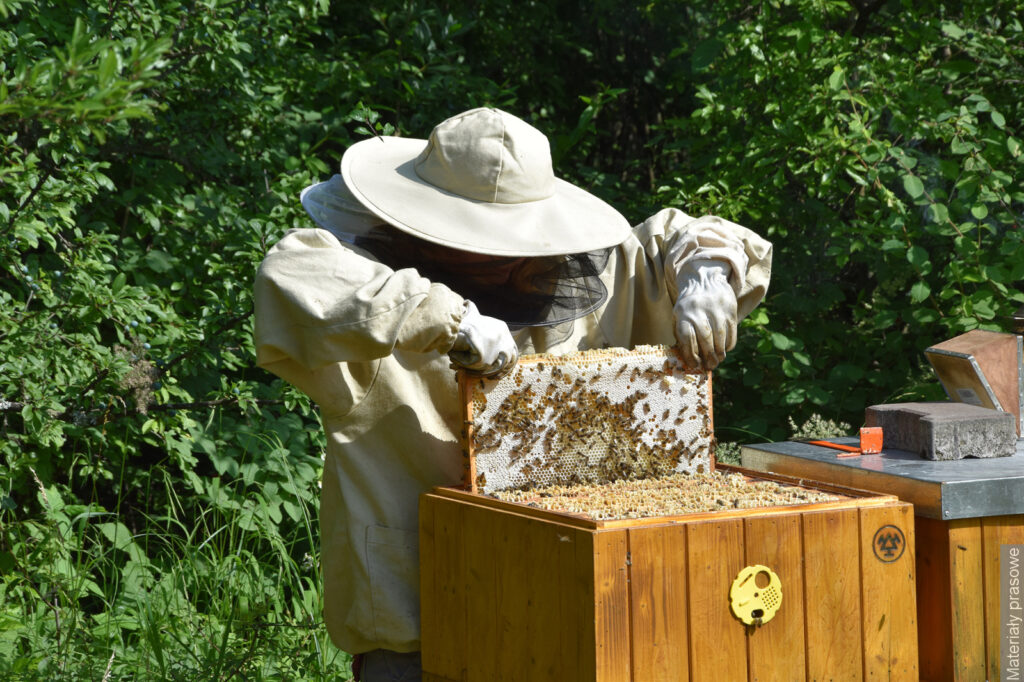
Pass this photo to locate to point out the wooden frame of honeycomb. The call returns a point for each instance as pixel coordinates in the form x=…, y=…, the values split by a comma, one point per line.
x=673, y=495
x=585, y=418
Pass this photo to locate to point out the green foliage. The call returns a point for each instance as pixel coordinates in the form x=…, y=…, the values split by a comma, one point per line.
x=135, y=205
x=874, y=151
x=231, y=592
x=156, y=489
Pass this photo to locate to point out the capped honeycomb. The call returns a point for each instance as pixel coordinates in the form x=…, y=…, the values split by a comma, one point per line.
x=672, y=495
x=589, y=417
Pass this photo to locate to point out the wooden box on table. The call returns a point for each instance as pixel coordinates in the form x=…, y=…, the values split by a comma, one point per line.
x=511, y=591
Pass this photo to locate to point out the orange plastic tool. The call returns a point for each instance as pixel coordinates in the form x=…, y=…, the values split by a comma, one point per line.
x=871, y=439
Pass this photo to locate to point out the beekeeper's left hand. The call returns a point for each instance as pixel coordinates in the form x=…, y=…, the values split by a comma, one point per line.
x=705, y=312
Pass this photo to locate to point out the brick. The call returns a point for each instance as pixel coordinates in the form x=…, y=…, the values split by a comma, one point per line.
x=945, y=431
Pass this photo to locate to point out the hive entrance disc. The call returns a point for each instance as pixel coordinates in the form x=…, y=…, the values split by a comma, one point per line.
x=756, y=595
x=588, y=417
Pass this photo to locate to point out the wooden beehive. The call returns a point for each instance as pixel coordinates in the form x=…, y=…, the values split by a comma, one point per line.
x=511, y=591
x=959, y=606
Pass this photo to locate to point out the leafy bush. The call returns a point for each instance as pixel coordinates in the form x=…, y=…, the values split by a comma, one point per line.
x=152, y=154
x=874, y=150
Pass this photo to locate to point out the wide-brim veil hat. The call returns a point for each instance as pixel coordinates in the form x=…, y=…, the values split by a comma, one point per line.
x=483, y=182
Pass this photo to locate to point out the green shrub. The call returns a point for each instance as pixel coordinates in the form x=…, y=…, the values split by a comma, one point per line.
x=157, y=490
x=879, y=152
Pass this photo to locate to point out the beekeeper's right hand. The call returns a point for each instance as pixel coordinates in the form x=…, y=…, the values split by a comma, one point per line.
x=484, y=345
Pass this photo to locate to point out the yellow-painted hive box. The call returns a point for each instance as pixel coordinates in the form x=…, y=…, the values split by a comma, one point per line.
x=596, y=539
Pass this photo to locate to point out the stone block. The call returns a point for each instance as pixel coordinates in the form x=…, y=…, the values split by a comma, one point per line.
x=945, y=431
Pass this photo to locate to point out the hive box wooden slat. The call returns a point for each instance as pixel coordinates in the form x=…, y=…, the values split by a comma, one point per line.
x=958, y=574
x=511, y=592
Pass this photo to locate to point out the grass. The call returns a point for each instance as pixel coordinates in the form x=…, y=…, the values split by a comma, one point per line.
x=227, y=591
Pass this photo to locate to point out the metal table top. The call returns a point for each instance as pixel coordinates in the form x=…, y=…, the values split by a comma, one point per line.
x=959, y=489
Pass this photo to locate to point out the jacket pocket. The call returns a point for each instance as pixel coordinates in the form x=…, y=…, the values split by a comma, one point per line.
x=394, y=584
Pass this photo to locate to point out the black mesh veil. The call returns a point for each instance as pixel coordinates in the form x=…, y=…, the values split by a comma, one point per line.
x=539, y=291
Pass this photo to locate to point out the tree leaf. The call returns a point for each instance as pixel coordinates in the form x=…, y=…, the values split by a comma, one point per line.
x=917, y=256
x=118, y=283
x=919, y=292
x=782, y=342
x=160, y=261
x=859, y=179
x=959, y=146
x=913, y=185
x=837, y=78
x=108, y=67
x=938, y=213
x=984, y=310
x=705, y=54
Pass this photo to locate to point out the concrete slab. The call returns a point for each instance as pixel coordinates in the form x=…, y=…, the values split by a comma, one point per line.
x=945, y=430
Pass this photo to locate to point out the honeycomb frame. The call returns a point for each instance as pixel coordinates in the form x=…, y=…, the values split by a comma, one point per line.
x=588, y=417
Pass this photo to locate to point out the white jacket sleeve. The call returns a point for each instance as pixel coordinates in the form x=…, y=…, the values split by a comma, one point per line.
x=320, y=302
x=712, y=238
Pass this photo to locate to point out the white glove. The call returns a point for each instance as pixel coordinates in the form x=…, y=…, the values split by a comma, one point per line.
x=705, y=313
x=484, y=345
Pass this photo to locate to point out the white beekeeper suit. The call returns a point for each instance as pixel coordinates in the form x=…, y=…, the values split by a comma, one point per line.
x=369, y=343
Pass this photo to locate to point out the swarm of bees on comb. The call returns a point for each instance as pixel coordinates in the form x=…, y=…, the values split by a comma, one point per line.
x=589, y=417
x=609, y=434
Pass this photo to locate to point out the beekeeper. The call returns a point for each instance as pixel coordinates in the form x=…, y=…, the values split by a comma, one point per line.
x=461, y=250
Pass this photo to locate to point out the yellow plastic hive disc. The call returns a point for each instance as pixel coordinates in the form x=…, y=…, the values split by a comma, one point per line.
x=756, y=595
